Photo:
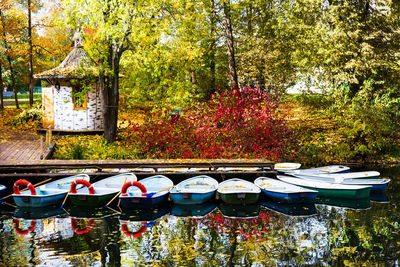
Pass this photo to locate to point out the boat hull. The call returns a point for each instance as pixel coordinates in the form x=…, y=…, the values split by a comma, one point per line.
x=38, y=201
x=142, y=202
x=298, y=197
x=362, y=193
x=239, y=198
x=91, y=200
x=191, y=198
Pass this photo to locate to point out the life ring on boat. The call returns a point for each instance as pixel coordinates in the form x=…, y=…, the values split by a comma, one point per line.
x=78, y=230
x=85, y=183
x=127, y=232
x=26, y=183
x=23, y=231
x=133, y=183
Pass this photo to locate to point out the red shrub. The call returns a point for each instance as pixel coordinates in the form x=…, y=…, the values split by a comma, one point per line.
x=242, y=123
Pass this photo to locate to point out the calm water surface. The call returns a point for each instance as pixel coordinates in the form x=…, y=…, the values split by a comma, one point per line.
x=330, y=233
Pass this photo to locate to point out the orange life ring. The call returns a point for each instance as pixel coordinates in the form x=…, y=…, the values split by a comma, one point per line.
x=75, y=228
x=133, y=183
x=23, y=231
x=85, y=183
x=26, y=183
x=127, y=232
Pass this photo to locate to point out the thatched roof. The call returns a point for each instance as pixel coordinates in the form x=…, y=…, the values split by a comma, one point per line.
x=72, y=66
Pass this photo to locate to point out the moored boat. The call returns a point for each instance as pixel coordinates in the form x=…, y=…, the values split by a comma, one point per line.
x=48, y=194
x=341, y=176
x=326, y=189
x=376, y=184
x=286, y=166
x=238, y=191
x=3, y=190
x=321, y=170
x=98, y=193
x=196, y=190
x=146, y=193
x=285, y=192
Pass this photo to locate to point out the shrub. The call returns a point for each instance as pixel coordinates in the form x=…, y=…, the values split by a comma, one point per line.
x=33, y=114
x=241, y=123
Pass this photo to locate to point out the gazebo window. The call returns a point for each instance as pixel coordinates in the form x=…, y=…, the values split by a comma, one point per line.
x=79, y=98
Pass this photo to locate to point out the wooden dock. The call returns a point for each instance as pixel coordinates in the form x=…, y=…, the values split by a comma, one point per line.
x=42, y=169
x=17, y=151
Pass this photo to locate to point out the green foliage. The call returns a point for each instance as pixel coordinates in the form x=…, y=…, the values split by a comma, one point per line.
x=31, y=115
x=92, y=147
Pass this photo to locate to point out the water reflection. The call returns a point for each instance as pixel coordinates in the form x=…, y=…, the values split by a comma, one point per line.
x=359, y=204
x=215, y=234
x=291, y=209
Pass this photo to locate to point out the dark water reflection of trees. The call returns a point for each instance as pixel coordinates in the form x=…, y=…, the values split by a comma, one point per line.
x=333, y=236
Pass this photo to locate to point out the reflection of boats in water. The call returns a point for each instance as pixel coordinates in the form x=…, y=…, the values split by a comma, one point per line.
x=145, y=214
x=83, y=220
x=239, y=211
x=196, y=211
x=146, y=218
x=379, y=196
x=292, y=209
x=22, y=214
x=358, y=204
x=37, y=213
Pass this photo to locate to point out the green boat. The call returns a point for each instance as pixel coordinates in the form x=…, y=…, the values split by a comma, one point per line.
x=326, y=189
x=100, y=193
x=238, y=191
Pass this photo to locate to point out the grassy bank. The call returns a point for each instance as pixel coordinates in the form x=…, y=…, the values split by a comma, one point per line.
x=320, y=134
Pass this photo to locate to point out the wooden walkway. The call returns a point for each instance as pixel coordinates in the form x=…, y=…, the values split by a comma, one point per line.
x=155, y=164
x=21, y=151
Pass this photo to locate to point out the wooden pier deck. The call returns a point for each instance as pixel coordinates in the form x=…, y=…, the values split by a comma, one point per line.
x=51, y=168
x=16, y=151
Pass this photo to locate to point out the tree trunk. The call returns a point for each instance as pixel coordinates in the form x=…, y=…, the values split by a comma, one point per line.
x=231, y=50
x=9, y=61
x=212, y=47
x=110, y=93
x=30, y=52
x=193, y=77
x=1, y=89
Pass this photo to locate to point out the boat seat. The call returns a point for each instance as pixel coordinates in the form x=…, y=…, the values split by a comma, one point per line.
x=47, y=191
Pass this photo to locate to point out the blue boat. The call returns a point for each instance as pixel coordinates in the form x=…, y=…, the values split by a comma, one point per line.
x=285, y=192
x=146, y=193
x=196, y=190
x=49, y=194
x=2, y=191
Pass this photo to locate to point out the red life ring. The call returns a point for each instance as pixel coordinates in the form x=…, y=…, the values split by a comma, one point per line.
x=85, y=183
x=26, y=183
x=127, y=232
x=133, y=183
x=23, y=231
x=77, y=230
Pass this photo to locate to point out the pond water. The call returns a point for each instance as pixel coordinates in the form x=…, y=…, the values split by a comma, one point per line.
x=329, y=233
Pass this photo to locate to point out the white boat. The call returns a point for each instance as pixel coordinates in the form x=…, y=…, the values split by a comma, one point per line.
x=286, y=166
x=376, y=184
x=338, y=177
x=320, y=170
x=326, y=189
x=284, y=191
